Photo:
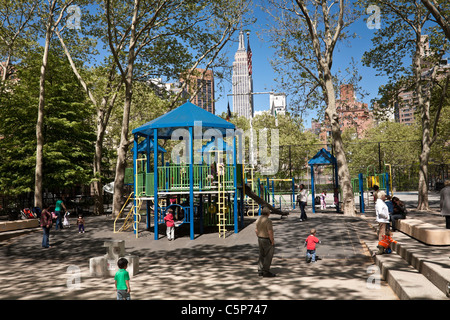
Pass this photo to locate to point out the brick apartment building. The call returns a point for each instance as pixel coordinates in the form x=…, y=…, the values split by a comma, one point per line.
x=351, y=113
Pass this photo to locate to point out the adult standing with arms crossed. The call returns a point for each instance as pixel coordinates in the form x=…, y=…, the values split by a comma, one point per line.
x=302, y=199
x=266, y=242
x=46, y=224
x=445, y=202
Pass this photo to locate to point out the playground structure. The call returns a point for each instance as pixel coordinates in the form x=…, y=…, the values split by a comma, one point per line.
x=366, y=182
x=199, y=189
x=323, y=157
x=280, y=193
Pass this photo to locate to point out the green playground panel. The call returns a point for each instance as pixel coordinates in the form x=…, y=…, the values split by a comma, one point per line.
x=174, y=178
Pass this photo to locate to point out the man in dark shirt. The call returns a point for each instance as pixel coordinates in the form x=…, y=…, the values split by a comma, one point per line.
x=264, y=232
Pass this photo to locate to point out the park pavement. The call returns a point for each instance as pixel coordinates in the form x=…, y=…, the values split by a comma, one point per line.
x=206, y=268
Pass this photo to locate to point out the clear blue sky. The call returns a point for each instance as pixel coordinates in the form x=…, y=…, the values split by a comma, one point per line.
x=263, y=74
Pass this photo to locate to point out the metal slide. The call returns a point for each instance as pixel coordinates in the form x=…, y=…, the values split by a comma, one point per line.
x=248, y=191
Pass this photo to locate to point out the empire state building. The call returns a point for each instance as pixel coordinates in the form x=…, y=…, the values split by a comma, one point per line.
x=242, y=80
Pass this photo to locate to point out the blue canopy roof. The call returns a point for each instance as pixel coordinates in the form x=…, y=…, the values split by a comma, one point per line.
x=322, y=157
x=142, y=147
x=186, y=115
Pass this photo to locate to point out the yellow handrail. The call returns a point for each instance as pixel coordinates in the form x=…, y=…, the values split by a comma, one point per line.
x=138, y=217
x=121, y=210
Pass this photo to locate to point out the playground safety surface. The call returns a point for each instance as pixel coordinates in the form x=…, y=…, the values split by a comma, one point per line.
x=206, y=268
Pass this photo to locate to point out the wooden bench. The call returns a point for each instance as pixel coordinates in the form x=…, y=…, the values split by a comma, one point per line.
x=425, y=232
x=18, y=224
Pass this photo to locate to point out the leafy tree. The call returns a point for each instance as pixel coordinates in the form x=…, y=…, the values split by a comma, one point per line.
x=16, y=17
x=67, y=148
x=50, y=16
x=305, y=36
x=404, y=35
x=140, y=36
x=440, y=9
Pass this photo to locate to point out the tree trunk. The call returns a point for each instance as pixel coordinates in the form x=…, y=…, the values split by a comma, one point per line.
x=98, y=184
x=122, y=151
x=424, y=107
x=423, y=179
x=38, y=186
x=124, y=143
x=348, y=202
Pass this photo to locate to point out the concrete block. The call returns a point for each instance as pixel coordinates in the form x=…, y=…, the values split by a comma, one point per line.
x=106, y=266
x=97, y=267
x=425, y=232
x=18, y=224
x=115, y=248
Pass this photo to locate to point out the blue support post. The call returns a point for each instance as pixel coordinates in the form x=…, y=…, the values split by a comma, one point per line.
x=135, y=146
x=148, y=191
x=155, y=181
x=386, y=179
x=242, y=196
x=200, y=213
x=273, y=193
x=259, y=195
x=293, y=193
x=312, y=190
x=235, y=209
x=361, y=192
x=191, y=183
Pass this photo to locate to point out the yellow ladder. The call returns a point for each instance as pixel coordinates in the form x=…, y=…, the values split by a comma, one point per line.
x=129, y=219
x=252, y=203
x=221, y=204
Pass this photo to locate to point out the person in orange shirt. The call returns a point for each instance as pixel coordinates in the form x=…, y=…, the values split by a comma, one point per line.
x=384, y=245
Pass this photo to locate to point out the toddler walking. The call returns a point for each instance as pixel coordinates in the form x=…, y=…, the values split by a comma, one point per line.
x=310, y=244
x=80, y=223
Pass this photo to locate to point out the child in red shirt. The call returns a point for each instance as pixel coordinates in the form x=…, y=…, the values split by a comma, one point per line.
x=170, y=224
x=310, y=244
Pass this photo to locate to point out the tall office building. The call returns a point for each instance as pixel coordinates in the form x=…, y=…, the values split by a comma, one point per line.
x=242, y=80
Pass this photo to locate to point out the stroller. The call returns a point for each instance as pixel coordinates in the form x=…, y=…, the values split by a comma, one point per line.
x=66, y=222
x=27, y=214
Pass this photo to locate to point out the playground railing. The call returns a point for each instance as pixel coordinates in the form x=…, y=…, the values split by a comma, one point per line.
x=174, y=178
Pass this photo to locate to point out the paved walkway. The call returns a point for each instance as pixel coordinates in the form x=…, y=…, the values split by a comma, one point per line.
x=207, y=268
